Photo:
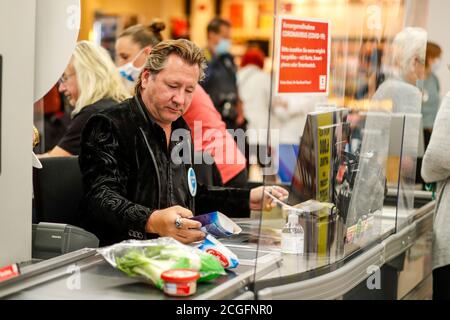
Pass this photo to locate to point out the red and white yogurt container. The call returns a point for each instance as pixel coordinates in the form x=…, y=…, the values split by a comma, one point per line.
x=180, y=282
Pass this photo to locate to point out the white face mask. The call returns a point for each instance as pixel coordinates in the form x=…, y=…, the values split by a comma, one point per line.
x=130, y=72
x=223, y=47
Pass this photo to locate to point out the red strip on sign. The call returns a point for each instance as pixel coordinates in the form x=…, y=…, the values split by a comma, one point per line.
x=9, y=272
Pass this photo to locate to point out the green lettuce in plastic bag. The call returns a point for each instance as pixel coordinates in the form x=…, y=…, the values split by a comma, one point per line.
x=149, y=259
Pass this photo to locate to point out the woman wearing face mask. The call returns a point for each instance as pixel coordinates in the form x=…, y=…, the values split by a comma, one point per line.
x=91, y=84
x=408, y=59
x=220, y=78
x=402, y=90
x=132, y=48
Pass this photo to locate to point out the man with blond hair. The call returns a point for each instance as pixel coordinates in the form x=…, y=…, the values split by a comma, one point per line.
x=136, y=158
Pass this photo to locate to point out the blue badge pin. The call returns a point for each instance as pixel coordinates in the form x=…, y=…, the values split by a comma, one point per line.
x=192, y=182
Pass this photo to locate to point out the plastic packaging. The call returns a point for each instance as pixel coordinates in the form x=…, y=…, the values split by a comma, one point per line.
x=218, y=224
x=148, y=259
x=180, y=282
x=214, y=247
x=323, y=228
x=292, y=236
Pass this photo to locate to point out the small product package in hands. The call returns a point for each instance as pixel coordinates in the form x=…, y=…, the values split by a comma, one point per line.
x=148, y=259
x=218, y=224
x=214, y=247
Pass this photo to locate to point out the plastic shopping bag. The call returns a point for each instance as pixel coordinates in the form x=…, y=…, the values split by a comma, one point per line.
x=148, y=259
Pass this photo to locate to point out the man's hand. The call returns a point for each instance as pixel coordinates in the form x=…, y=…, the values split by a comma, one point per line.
x=162, y=222
x=260, y=196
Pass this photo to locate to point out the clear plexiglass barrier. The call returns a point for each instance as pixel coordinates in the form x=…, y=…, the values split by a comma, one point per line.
x=344, y=124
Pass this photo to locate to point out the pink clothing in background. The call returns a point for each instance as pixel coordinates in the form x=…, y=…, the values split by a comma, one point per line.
x=210, y=135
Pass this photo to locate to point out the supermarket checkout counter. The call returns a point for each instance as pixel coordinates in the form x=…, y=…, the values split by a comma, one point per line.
x=403, y=259
x=84, y=274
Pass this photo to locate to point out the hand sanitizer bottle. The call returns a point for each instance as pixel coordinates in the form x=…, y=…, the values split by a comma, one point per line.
x=292, y=236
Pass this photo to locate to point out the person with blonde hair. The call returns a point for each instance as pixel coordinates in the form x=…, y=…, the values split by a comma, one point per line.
x=91, y=83
x=402, y=92
x=408, y=68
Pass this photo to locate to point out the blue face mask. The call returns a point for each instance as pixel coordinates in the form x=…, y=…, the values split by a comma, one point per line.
x=223, y=47
x=436, y=65
x=130, y=73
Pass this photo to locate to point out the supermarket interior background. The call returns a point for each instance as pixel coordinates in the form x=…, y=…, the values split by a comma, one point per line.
x=390, y=227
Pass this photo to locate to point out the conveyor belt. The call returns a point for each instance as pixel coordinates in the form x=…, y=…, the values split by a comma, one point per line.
x=85, y=275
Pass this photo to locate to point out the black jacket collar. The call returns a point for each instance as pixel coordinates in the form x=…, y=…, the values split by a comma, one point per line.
x=144, y=119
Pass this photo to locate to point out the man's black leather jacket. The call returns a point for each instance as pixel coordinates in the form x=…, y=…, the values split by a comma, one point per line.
x=128, y=173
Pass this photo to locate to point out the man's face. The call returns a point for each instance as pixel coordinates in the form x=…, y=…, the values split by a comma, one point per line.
x=214, y=38
x=168, y=94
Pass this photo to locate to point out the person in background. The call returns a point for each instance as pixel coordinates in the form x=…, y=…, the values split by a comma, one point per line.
x=436, y=168
x=430, y=98
x=395, y=105
x=371, y=74
x=254, y=91
x=220, y=80
x=91, y=83
x=408, y=59
x=138, y=183
x=132, y=47
x=288, y=116
x=402, y=91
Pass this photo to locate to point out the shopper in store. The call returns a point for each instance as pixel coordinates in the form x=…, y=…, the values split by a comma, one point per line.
x=288, y=116
x=408, y=58
x=400, y=98
x=254, y=91
x=436, y=168
x=402, y=91
x=220, y=80
x=91, y=83
x=136, y=158
x=132, y=47
x=371, y=75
